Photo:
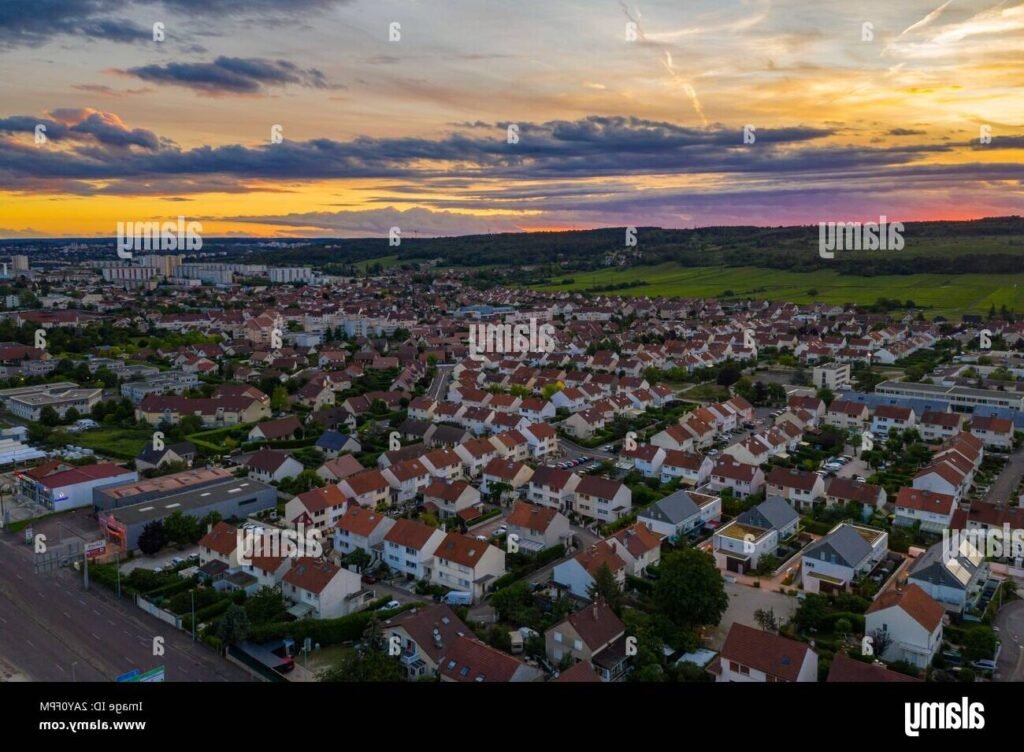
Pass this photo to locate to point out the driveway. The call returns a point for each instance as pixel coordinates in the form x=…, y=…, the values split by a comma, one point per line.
x=743, y=602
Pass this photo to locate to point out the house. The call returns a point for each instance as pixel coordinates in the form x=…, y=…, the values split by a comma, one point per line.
x=220, y=544
x=912, y=620
x=845, y=669
x=953, y=578
x=681, y=512
x=511, y=445
x=272, y=466
x=994, y=433
x=182, y=453
x=317, y=508
x=801, y=488
x=691, y=468
x=739, y=545
x=450, y=497
x=936, y=426
x=593, y=635
x=646, y=459
x=751, y=451
x=585, y=424
x=543, y=440
x=536, y=527
x=892, y=418
x=577, y=574
x=282, y=429
x=674, y=437
x=467, y=565
x=601, y=499
x=832, y=563
x=444, y=463
x=552, y=487
x=754, y=655
x=332, y=443
x=369, y=488
x=848, y=415
x=933, y=510
x=361, y=529
x=639, y=547
x=944, y=478
x=268, y=571
x=406, y=478
x=847, y=490
x=468, y=659
x=424, y=634
x=409, y=548
x=339, y=468
x=323, y=590
x=743, y=479
x=505, y=477
x=475, y=454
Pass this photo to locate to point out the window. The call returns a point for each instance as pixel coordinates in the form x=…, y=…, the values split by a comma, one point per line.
x=558, y=637
x=577, y=644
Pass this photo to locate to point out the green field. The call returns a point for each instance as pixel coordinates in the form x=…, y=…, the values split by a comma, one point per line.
x=124, y=443
x=949, y=295
x=386, y=262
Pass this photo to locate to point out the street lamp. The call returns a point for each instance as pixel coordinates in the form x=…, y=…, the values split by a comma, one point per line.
x=73, y=664
x=4, y=490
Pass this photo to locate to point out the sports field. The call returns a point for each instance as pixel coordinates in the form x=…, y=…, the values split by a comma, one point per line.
x=939, y=294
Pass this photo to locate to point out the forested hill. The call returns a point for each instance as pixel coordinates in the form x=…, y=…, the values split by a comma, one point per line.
x=994, y=245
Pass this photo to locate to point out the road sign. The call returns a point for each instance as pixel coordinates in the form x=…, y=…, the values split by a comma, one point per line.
x=28, y=535
x=130, y=676
x=95, y=548
x=153, y=675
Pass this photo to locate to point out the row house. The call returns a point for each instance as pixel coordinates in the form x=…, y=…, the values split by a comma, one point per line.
x=801, y=488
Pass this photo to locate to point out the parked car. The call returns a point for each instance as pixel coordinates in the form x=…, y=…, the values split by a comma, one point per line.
x=985, y=664
x=392, y=604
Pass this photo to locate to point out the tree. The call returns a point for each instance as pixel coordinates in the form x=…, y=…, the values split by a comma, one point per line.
x=48, y=416
x=359, y=559
x=766, y=619
x=880, y=642
x=979, y=642
x=826, y=395
x=181, y=528
x=606, y=587
x=152, y=538
x=689, y=590
x=234, y=625
x=812, y=612
x=266, y=606
x=369, y=663
x=728, y=375
x=279, y=398
x=843, y=627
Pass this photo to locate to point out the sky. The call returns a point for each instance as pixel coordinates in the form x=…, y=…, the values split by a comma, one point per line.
x=345, y=118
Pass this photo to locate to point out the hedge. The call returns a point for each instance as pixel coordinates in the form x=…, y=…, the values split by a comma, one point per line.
x=324, y=631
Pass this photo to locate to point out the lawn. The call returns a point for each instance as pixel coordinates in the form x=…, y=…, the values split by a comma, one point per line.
x=940, y=294
x=124, y=443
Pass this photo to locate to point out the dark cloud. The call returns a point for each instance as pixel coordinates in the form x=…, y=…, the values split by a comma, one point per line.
x=231, y=75
x=33, y=22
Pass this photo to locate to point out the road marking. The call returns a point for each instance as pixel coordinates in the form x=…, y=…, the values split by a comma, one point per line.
x=20, y=577
x=96, y=636
x=60, y=667
x=67, y=614
x=3, y=620
x=29, y=643
x=81, y=601
x=41, y=594
x=111, y=622
x=96, y=612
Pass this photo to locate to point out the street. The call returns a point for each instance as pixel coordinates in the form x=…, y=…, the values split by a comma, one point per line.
x=51, y=629
x=1010, y=621
x=1003, y=488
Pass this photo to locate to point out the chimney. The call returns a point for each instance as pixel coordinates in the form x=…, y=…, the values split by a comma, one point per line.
x=595, y=610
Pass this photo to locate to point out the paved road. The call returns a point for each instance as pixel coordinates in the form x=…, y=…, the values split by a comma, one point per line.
x=53, y=630
x=1010, y=621
x=1005, y=484
x=572, y=450
x=439, y=385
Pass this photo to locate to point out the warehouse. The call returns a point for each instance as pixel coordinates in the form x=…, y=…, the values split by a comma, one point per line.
x=235, y=498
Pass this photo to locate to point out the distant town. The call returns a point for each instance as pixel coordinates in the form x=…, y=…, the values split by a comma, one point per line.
x=286, y=474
